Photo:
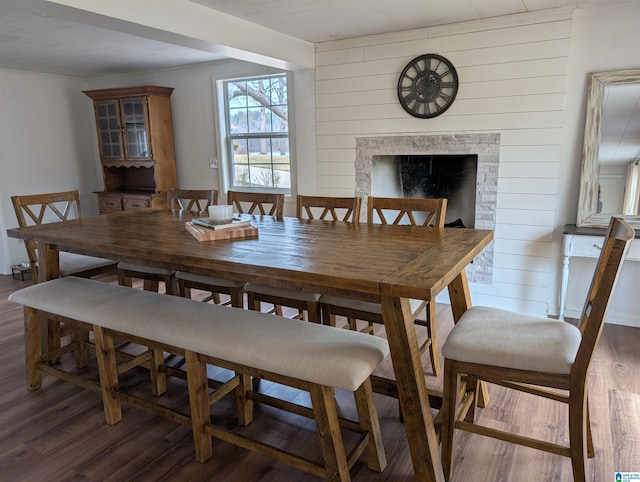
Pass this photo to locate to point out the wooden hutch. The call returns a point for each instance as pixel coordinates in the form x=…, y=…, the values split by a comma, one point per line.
x=135, y=136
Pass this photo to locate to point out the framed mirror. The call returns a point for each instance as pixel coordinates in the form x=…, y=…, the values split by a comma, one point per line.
x=610, y=174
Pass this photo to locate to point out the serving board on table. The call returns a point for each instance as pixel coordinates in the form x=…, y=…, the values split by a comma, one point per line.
x=205, y=234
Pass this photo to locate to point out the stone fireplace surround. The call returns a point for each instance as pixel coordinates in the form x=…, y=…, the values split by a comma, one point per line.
x=485, y=146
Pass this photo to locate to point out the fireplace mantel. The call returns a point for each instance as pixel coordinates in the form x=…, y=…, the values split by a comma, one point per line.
x=485, y=146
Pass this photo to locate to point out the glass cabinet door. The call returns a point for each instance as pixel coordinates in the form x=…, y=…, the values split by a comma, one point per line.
x=135, y=133
x=107, y=114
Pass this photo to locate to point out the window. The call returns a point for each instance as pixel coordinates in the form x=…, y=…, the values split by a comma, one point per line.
x=257, y=126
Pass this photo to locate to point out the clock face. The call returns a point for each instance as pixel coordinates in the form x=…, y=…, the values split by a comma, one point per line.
x=427, y=86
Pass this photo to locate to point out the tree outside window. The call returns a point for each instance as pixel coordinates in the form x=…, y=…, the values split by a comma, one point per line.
x=257, y=115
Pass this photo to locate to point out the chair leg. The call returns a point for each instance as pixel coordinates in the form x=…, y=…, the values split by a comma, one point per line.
x=448, y=411
x=82, y=353
x=591, y=452
x=313, y=312
x=237, y=298
x=171, y=286
x=150, y=285
x=578, y=432
x=252, y=303
x=244, y=405
x=158, y=378
x=328, y=318
x=434, y=353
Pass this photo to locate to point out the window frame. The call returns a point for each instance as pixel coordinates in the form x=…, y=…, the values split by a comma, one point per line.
x=226, y=139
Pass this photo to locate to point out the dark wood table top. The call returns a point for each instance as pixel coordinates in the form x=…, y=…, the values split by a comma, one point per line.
x=331, y=258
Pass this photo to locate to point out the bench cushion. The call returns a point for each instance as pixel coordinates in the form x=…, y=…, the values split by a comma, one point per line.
x=306, y=351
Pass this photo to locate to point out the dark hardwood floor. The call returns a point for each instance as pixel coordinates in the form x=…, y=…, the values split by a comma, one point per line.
x=58, y=433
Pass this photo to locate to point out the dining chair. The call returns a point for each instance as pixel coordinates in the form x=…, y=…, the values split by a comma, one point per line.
x=186, y=281
x=38, y=209
x=197, y=200
x=62, y=206
x=531, y=354
x=383, y=210
x=191, y=200
x=334, y=209
x=271, y=204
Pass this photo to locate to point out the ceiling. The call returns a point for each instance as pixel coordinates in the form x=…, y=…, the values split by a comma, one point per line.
x=56, y=45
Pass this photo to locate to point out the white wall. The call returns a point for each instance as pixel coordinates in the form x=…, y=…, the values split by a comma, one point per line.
x=44, y=147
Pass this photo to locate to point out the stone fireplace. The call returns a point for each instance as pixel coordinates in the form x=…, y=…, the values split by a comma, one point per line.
x=485, y=146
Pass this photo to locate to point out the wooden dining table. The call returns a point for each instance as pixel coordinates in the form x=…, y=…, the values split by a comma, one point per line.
x=382, y=263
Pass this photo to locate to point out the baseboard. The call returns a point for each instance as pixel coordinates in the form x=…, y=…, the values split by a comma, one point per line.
x=613, y=317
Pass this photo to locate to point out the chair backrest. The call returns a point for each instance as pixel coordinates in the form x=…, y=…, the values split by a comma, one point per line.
x=433, y=210
x=614, y=250
x=348, y=208
x=265, y=203
x=192, y=199
x=38, y=209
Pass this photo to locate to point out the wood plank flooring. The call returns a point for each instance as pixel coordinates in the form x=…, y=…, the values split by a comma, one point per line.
x=58, y=433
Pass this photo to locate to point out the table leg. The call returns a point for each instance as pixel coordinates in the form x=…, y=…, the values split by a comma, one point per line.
x=412, y=390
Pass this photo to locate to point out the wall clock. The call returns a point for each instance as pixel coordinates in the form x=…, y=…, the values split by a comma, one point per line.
x=427, y=86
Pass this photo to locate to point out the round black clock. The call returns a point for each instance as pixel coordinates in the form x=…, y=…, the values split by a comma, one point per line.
x=427, y=86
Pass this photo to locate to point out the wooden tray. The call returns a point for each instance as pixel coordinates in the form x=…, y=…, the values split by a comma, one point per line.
x=204, y=234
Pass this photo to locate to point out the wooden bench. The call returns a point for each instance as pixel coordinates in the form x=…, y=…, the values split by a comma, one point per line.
x=307, y=356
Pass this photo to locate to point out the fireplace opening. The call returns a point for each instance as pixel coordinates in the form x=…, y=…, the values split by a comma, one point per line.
x=430, y=176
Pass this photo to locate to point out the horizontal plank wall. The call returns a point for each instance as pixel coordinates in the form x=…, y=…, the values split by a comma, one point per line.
x=512, y=76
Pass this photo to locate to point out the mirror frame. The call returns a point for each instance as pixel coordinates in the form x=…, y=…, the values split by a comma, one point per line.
x=587, y=204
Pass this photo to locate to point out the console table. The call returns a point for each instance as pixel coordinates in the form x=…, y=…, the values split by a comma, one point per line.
x=585, y=242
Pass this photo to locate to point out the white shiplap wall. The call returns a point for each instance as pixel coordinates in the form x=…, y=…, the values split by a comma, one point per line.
x=512, y=80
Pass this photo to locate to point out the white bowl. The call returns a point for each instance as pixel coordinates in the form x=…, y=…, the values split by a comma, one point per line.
x=221, y=212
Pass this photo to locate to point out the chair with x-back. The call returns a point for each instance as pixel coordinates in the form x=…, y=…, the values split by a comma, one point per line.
x=271, y=204
x=55, y=207
x=197, y=200
x=531, y=354
x=427, y=212
x=325, y=208
x=213, y=286
x=188, y=200
x=63, y=206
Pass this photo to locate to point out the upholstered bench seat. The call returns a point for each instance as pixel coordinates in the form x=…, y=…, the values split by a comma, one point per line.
x=311, y=352
x=513, y=340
